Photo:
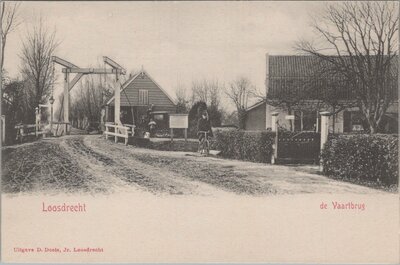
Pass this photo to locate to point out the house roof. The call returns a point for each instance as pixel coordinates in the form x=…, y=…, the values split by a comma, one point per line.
x=255, y=105
x=291, y=74
x=291, y=65
x=302, y=65
x=131, y=79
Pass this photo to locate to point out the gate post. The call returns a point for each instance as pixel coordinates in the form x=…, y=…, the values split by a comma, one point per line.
x=324, y=131
x=274, y=127
x=274, y=120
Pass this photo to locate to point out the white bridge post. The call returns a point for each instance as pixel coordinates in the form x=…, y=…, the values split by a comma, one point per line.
x=117, y=105
x=117, y=102
x=106, y=132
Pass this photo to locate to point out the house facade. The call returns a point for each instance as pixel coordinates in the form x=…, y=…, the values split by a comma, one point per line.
x=287, y=94
x=142, y=99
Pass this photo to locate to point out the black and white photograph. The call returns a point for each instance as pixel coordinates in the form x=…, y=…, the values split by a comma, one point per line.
x=199, y=131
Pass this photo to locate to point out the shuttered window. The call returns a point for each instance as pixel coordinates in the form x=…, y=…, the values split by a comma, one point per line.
x=143, y=97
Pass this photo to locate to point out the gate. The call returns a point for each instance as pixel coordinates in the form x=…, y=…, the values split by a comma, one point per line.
x=301, y=147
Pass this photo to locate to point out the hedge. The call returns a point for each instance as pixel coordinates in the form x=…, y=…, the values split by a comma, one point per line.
x=253, y=146
x=362, y=158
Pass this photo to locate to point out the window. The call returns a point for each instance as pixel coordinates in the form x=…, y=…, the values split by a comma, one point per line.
x=353, y=121
x=143, y=97
x=159, y=117
x=356, y=122
x=305, y=120
x=309, y=120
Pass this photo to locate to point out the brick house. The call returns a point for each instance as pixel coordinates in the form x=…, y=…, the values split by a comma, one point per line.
x=285, y=75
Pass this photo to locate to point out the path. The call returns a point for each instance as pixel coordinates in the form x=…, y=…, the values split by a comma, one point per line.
x=89, y=163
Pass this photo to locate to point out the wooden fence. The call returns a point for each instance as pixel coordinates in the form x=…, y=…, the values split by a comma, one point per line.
x=25, y=130
x=118, y=131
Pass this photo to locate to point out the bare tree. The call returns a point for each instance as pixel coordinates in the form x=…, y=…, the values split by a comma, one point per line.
x=240, y=91
x=8, y=16
x=363, y=37
x=207, y=91
x=326, y=90
x=88, y=100
x=181, y=99
x=36, y=65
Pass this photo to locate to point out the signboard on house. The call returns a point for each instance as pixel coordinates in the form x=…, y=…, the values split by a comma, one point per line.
x=289, y=117
x=178, y=121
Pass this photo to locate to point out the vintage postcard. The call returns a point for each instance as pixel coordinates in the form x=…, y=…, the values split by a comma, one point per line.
x=171, y=132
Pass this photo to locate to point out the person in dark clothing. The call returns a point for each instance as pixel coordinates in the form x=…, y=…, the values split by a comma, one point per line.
x=204, y=125
x=152, y=127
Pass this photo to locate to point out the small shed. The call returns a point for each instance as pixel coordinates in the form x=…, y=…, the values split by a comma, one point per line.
x=142, y=99
x=255, y=117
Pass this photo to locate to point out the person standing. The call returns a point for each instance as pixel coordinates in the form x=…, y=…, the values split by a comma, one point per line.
x=152, y=127
x=203, y=127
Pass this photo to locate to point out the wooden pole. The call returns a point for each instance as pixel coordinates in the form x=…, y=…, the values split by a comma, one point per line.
x=276, y=143
x=3, y=128
x=126, y=136
x=51, y=119
x=117, y=101
x=301, y=120
x=37, y=121
x=185, y=135
x=267, y=86
x=66, y=103
x=133, y=116
x=274, y=126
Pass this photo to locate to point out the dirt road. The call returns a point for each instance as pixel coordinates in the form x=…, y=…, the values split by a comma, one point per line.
x=90, y=164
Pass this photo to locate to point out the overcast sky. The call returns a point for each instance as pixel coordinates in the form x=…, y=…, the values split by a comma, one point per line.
x=176, y=42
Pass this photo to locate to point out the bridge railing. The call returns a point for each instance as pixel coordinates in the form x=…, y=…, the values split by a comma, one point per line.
x=117, y=131
x=24, y=130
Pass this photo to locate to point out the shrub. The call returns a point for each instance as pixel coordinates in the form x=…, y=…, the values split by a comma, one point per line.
x=362, y=157
x=253, y=146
